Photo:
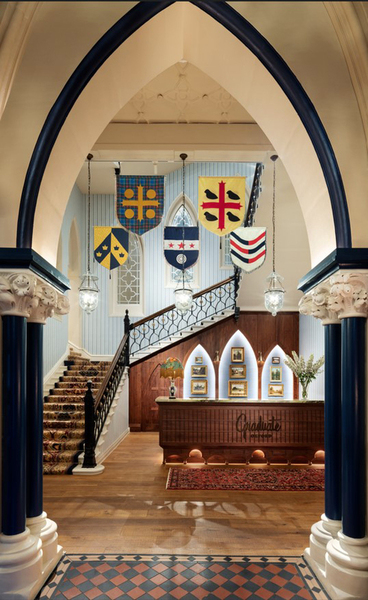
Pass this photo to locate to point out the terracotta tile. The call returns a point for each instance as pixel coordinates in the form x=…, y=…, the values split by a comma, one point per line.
x=77, y=580
x=138, y=579
x=199, y=593
x=93, y=593
x=71, y=593
x=279, y=580
x=197, y=579
x=157, y=579
x=216, y=568
x=239, y=580
x=219, y=580
x=114, y=593
x=157, y=593
x=179, y=579
x=221, y=593
x=258, y=580
x=98, y=580
x=103, y=568
x=118, y=580
x=135, y=593
x=178, y=593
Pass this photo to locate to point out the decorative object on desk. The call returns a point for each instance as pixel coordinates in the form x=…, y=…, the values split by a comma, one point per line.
x=88, y=289
x=217, y=356
x=238, y=388
x=306, y=371
x=237, y=354
x=276, y=374
x=173, y=369
x=198, y=386
x=237, y=371
x=275, y=360
x=198, y=360
x=274, y=295
x=249, y=478
x=260, y=360
x=199, y=371
x=276, y=390
x=183, y=292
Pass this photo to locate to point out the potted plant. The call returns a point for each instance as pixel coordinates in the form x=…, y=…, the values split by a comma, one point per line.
x=306, y=371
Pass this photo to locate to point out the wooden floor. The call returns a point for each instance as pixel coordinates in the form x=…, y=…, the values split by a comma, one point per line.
x=128, y=510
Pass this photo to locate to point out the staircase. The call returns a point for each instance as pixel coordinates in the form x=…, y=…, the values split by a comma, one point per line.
x=63, y=417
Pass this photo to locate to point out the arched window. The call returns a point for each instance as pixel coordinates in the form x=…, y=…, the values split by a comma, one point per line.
x=127, y=283
x=182, y=216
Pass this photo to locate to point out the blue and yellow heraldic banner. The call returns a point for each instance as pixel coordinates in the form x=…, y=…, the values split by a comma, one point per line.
x=181, y=246
x=140, y=202
x=111, y=246
x=221, y=203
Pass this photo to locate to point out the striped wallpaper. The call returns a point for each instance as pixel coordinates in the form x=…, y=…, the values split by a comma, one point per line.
x=311, y=341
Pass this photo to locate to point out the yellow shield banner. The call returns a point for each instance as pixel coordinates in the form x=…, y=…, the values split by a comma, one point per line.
x=221, y=203
x=111, y=245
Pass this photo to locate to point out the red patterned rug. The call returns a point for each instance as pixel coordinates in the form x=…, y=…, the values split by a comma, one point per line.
x=275, y=480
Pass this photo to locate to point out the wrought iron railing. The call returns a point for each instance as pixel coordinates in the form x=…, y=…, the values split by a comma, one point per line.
x=170, y=321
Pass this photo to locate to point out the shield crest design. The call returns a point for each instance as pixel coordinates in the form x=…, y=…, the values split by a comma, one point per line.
x=181, y=246
x=248, y=247
x=221, y=203
x=111, y=245
x=140, y=202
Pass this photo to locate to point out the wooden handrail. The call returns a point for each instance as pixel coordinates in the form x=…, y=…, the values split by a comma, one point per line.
x=172, y=306
x=110, y=371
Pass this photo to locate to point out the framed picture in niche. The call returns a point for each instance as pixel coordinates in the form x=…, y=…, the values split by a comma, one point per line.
x=237, y=371
x=198, y=360
x=237, y=354
x=276, y=374
x=238, y=388
x=198, y=386
x=276, y=390
x=199, y=371
x=275, y=360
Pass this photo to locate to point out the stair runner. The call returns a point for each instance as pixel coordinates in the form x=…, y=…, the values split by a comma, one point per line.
x=63, y=413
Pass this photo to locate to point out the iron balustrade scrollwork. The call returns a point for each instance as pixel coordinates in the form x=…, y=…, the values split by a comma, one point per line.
x=97, y=410
x=170, y=321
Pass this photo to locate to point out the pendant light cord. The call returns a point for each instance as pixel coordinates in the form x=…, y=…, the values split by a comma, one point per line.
x=183, y=157
x=274, y=158
x=89, y=157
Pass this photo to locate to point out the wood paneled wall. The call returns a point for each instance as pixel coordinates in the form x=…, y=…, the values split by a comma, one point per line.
x=261, y=329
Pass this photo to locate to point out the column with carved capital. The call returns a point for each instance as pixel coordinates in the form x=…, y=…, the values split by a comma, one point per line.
x=20, y=552
x=347, y=555
x=316, y=304
x=49, y=301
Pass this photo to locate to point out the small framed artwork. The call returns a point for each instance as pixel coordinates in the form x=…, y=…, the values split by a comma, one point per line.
x=237, y=354
x=199, y=371
x=238, y=388
x=198, y=360
x=275, y=360
x=237, y=371
x=275, y=373
x=275, y=390
x=198, y=386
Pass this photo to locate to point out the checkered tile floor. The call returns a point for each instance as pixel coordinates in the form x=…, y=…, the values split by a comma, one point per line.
x=149, y=577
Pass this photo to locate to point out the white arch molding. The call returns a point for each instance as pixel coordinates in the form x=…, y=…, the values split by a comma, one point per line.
x=178, y=33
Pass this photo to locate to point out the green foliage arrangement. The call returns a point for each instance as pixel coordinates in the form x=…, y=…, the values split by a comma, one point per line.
x=306, y=371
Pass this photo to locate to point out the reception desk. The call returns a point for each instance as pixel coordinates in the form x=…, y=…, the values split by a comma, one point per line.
x=239, y=431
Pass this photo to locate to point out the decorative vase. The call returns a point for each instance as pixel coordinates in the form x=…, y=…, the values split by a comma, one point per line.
x=304, y=390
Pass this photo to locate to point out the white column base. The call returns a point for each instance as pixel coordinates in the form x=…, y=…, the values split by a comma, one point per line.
x=20, y=566
x=321, y=533
x=347, y=566
x=46, y=531
x=97, y=470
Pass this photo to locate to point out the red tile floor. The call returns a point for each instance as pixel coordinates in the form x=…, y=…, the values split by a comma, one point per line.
x=150, y=577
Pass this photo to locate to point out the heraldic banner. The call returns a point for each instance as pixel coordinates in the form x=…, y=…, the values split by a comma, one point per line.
x=140, y=202
x=181, y=246
x=111, y=246
x=248, y=247
x=221, y=203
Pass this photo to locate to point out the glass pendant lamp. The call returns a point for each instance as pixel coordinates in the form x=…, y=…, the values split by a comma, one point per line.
x=183, y=292
x=88, y=289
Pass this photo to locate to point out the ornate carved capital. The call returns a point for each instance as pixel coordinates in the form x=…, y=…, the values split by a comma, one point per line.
x=348, y=297
x=17, y=294
x=316, y=304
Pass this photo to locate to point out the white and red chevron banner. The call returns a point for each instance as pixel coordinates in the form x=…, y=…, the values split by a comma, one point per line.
x=248, y=247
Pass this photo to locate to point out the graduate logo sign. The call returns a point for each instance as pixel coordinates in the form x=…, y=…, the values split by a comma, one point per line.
x=181, y=246
x=111, y=245
x=221, y=203
x=139, y=202
x=248, y=247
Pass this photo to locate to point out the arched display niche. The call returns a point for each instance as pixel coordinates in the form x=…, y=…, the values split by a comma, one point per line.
x=238, y=340
x=286, y=376
x=202, y=355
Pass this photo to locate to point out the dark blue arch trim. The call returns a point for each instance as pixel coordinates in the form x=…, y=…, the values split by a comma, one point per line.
x=251, y=38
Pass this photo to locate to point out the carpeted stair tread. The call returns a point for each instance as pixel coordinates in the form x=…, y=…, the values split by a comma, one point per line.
x=64, y=413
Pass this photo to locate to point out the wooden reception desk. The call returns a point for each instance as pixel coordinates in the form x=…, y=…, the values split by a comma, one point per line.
x=232, y=431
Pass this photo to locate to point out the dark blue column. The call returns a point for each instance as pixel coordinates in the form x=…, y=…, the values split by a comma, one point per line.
x=353, y=427
x=34, y=419
x=333, y=421
x=14, y=425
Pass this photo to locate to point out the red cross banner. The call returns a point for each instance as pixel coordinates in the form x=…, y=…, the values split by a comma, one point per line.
x=221, y=203
x=140, y=202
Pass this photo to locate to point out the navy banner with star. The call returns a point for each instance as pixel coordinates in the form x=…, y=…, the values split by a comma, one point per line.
x=181, y=246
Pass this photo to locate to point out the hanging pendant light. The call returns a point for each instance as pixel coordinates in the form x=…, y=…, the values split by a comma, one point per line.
x=183, y=292
x=274, y=295
x=88, y=289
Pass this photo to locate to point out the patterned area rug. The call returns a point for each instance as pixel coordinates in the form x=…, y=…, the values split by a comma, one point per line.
x=277, y=480
x=150, y=577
